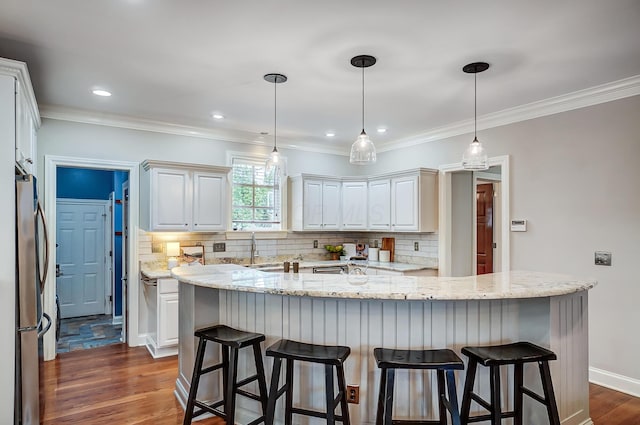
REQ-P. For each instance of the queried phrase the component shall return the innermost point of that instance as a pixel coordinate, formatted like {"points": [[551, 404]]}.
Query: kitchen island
{"points": [[394, 312]]}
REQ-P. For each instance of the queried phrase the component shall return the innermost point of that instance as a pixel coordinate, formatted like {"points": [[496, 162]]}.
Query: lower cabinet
{"points": [[162, 305]]}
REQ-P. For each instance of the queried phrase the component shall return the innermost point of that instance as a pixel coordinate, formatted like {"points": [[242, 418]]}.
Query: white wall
{"points": [[575, 176]]}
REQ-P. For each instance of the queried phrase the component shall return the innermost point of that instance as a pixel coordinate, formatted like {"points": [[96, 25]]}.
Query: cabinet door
{"points": [[380, 205], [170, 199], [312, 208], [167, 319], [404, 204], [209, 202], [331, 205], [354, 205]]}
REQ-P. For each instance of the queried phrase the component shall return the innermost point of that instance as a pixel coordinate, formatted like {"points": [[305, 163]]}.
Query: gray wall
{"points": [[462, 196], [575, 176]]}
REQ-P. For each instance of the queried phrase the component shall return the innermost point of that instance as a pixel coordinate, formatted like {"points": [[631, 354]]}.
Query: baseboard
{"points": [[614, 381], [158, 352], [117, 320]]}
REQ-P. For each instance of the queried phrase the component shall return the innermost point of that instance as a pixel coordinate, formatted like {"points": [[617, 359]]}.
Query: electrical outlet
{"points": [[315, 243], [353, 394], [602, 258], [416, 246], [219, 247]]}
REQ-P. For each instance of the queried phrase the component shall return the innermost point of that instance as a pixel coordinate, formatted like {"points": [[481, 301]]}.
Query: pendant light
{"points": [[363, 151], [475, 157], [275, 160]]}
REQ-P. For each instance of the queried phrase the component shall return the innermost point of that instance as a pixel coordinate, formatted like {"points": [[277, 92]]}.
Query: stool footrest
{"points": [[248, 395], [211, 408], [211, 368], [245, 381], [415, 422], [257, 421], [534, 396], [482, 402], [314, 413]]}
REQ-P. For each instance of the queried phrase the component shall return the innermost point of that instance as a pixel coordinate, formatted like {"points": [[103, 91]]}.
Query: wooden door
{"points": [[484, 223]]}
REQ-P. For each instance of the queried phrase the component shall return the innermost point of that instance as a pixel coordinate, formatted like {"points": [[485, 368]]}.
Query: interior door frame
{"points": [[444, 215], [51, 163], [106, 259]]}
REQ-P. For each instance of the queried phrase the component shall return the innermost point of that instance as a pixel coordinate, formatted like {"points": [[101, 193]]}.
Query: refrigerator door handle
{"points": [[46, 328], [40, 212]]}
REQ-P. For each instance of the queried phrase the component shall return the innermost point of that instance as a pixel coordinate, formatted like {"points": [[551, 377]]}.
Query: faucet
{"points": [[253, 248]]}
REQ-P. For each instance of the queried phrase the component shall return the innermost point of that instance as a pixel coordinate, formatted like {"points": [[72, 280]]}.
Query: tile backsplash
{"points": [[298, 245]]}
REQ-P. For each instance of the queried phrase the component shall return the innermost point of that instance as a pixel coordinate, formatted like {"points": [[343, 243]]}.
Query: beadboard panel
{"points": [[558, 323]]}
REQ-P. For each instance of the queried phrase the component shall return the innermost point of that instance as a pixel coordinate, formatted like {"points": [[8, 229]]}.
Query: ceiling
{"points": [[178, 62]]}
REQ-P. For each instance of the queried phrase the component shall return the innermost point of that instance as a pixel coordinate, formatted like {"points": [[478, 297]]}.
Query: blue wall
{"points": [[81, 183]]}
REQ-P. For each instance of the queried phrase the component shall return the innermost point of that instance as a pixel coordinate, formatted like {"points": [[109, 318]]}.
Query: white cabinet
{"points": [[162, 308], [379, 212], [398, 202], [19, 107], [167, 314], [354, 205], [183, 197], [316, 204]]}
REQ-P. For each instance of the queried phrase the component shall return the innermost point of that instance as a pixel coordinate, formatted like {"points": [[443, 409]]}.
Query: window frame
{"points": [[275, 232]]}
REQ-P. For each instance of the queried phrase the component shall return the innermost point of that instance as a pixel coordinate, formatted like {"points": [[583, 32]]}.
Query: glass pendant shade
{"points": [[274, 160], [474, 157], [363, 150]]}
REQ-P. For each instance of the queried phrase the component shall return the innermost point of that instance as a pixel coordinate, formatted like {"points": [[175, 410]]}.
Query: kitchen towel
{"points": [[389, 244], [385, 256]]}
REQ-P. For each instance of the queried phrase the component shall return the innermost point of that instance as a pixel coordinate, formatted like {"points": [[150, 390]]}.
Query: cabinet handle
{"points": [[185, 224], [195, 224], [29, 160]]}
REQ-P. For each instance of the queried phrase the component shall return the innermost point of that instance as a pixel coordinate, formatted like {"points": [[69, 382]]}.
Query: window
{"points": [[256, 195]]}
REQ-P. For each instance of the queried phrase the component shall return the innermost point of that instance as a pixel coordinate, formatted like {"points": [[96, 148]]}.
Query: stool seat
{"points": [[229, 337], [294, 350], [518, 352], [387, 358], [331, 356], [443, 361], [230, 341]]}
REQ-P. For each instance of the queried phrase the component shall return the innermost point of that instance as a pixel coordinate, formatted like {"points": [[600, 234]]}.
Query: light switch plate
{"points": [[518, 225], [219, 247]]}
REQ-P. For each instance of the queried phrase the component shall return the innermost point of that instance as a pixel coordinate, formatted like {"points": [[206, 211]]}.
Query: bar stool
{"points": [[509, 354], [330, 356], [231, 341], [442, 361]]}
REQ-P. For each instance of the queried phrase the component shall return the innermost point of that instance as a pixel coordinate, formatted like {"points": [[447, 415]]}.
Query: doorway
{"points": [[463, 223], [119, 299], [89, 259]]}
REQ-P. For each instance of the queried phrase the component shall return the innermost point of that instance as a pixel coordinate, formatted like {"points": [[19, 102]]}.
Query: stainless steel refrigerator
{"points": [[31, 322]]}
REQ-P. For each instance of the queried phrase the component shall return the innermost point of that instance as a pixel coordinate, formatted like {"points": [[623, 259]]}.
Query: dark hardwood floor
{"points": [[117, 385]]}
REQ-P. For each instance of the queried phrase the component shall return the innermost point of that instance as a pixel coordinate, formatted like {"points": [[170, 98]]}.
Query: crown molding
{"points": [[19, 71], [579, 99], [82, 116], [603, 93]]}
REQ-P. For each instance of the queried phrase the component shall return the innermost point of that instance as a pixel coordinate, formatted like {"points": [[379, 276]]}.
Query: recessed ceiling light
{"points": [[102, 93], [217, 116], [331, 134], [382, 130]]}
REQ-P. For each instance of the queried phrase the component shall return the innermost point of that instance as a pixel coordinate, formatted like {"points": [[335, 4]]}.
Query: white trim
{"points": [[159, 352], [444, 212], [105, 204], [615, 381], [116, 320], [602, 93], [50, 183], [20, 72]]}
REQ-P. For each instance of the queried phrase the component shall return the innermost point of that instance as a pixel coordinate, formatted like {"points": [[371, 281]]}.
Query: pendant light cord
{"points": [[363, 95], [275, 113], [475, 106]]}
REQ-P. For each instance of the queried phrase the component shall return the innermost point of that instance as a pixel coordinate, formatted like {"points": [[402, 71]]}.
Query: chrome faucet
{"points": [[253, 248]]}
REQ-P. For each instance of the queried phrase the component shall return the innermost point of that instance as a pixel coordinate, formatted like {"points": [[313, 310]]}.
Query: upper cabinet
{"points": [[18, 105], [316, 203], [183, 197], [399, 202]]}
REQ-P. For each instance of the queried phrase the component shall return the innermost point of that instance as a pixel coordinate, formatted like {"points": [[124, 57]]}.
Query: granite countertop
{"points": [[158, 270], [515, 284]]}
